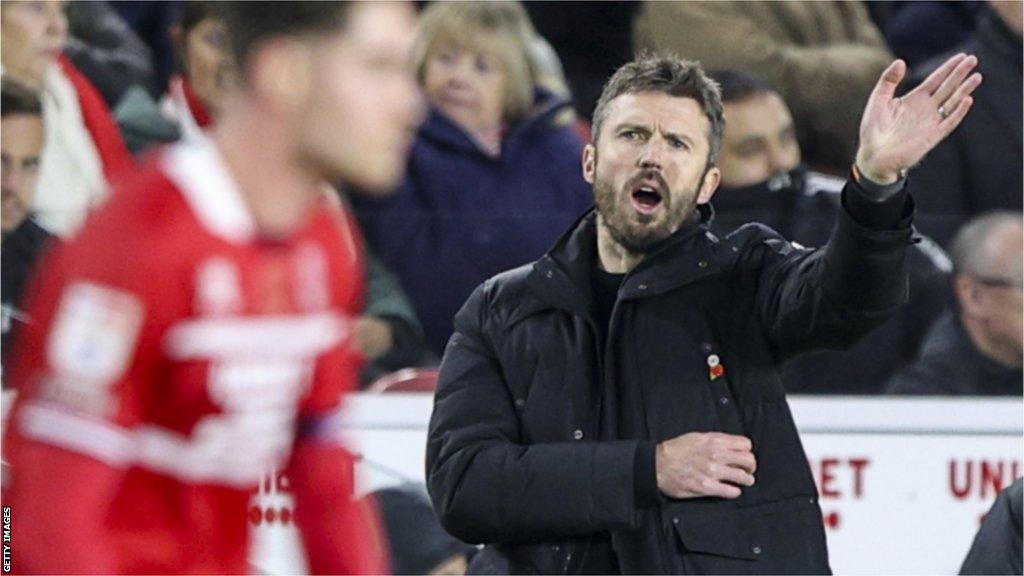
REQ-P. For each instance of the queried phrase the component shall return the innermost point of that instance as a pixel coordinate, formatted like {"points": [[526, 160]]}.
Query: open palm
{"points": [[896, 133]]}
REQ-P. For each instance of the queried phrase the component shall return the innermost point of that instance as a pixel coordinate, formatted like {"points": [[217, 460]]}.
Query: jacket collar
{"points": [[442, 130], [562, 277]]}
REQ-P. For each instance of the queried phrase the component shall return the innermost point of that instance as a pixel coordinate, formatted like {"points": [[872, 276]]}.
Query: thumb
{"points": [[890, 79]]}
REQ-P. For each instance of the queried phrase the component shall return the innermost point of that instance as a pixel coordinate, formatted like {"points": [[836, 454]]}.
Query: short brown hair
{"points": [[668, 75], [251, 23], [16, 98]]}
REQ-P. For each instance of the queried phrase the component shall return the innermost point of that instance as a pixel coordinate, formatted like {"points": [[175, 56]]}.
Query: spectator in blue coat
{"points": [[494, 176]]}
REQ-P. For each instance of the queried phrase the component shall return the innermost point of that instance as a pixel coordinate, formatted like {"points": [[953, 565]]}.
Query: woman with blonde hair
{"points": [[494, 174]]}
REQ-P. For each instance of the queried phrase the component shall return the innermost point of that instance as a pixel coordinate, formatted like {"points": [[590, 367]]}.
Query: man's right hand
{"points": [[705, 464]]}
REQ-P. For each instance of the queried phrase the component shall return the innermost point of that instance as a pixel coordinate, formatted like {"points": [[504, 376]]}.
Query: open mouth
{"points": [[646, 198]]}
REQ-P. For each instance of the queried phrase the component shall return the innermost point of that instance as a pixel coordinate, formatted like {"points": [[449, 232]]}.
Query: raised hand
{"points": [[896, 133], [705, 464]]}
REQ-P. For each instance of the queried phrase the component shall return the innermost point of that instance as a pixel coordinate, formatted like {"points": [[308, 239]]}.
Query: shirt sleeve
{"points": [[84, 364]]}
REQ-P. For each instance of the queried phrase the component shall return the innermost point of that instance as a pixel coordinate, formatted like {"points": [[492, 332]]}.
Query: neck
{"points": [[489, 139], [993, 347], [259, 150], [613, 257]]}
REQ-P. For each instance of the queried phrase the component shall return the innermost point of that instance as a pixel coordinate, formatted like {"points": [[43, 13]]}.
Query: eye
{"points": [[630, 134], [679, 143], [445, 56], [483, 65]]}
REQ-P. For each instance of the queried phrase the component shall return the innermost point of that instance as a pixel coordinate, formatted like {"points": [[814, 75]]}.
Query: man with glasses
{"points": [[976, 350]]}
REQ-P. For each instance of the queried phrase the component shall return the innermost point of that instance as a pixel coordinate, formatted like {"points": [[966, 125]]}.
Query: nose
{"points": [[651, 155]]}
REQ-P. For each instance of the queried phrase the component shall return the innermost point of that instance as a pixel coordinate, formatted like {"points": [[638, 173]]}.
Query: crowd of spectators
{"points": [[494, 175]]}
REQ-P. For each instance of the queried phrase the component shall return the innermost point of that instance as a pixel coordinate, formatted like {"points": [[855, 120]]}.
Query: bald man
{"points": [[977, 350]]}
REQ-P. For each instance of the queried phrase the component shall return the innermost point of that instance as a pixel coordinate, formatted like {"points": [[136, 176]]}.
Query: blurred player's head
{"points": [[657, 129], [473, 60], [204, 53], [987, 259], [760, 142], [337, 75], [21, 144], [32, 36]]}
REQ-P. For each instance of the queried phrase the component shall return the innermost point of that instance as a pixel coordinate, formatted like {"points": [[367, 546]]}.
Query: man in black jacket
{"points": [[616, 405]]}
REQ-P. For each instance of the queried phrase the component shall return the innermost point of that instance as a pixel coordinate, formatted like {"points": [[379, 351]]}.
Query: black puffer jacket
{"points": [[516, 457]]}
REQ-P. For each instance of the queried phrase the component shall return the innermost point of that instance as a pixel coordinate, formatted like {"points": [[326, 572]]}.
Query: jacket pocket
{"points": [[723, 536]]}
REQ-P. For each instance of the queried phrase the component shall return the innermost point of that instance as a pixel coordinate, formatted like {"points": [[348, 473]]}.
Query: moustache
{"points": [[649, 176]]}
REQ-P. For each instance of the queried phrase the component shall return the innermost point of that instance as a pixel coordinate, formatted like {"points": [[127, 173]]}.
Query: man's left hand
{"points": [[896, 133]]}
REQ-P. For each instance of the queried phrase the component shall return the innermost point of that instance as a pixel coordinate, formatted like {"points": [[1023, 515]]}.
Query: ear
{"points": [[589, 163], [709, 186], [281, 73], [968, 295]]}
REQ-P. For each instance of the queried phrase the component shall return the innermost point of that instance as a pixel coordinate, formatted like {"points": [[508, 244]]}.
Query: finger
{"points": [[956, 116], [732, 442], [889, 80], [955, 79], [966, 89], [732, 475], [712, 487], [741, 460], [932, 82]]}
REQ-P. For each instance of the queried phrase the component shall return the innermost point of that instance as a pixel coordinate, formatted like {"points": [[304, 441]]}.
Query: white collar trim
{"points": [[198, 170]]}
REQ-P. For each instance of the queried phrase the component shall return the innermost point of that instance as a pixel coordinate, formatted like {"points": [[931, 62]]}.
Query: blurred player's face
{"points": [[208, 63], [32, 35], [759, 141], [360, 115], [649, 169], [468, 87], [21, 143]]}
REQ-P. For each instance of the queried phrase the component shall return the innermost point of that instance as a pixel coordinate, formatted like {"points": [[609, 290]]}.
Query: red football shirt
{"points": [[176, 346]]}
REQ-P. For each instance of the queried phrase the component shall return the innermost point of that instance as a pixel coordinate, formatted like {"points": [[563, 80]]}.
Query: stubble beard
{"points": [[634, 231]]}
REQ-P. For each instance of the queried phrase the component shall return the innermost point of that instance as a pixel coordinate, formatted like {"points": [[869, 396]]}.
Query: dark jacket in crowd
{"points": [[19, 254], [386, 301], [997, 546], [462, 216], [152, 21], [416, 541], [951, 365], [921, 30], [542, 439], [107, 51], [802, 207], [978, 167], [592, 39]]}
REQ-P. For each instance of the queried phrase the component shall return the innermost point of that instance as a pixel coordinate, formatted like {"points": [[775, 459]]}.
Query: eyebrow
{"points": [[642, 128]]}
